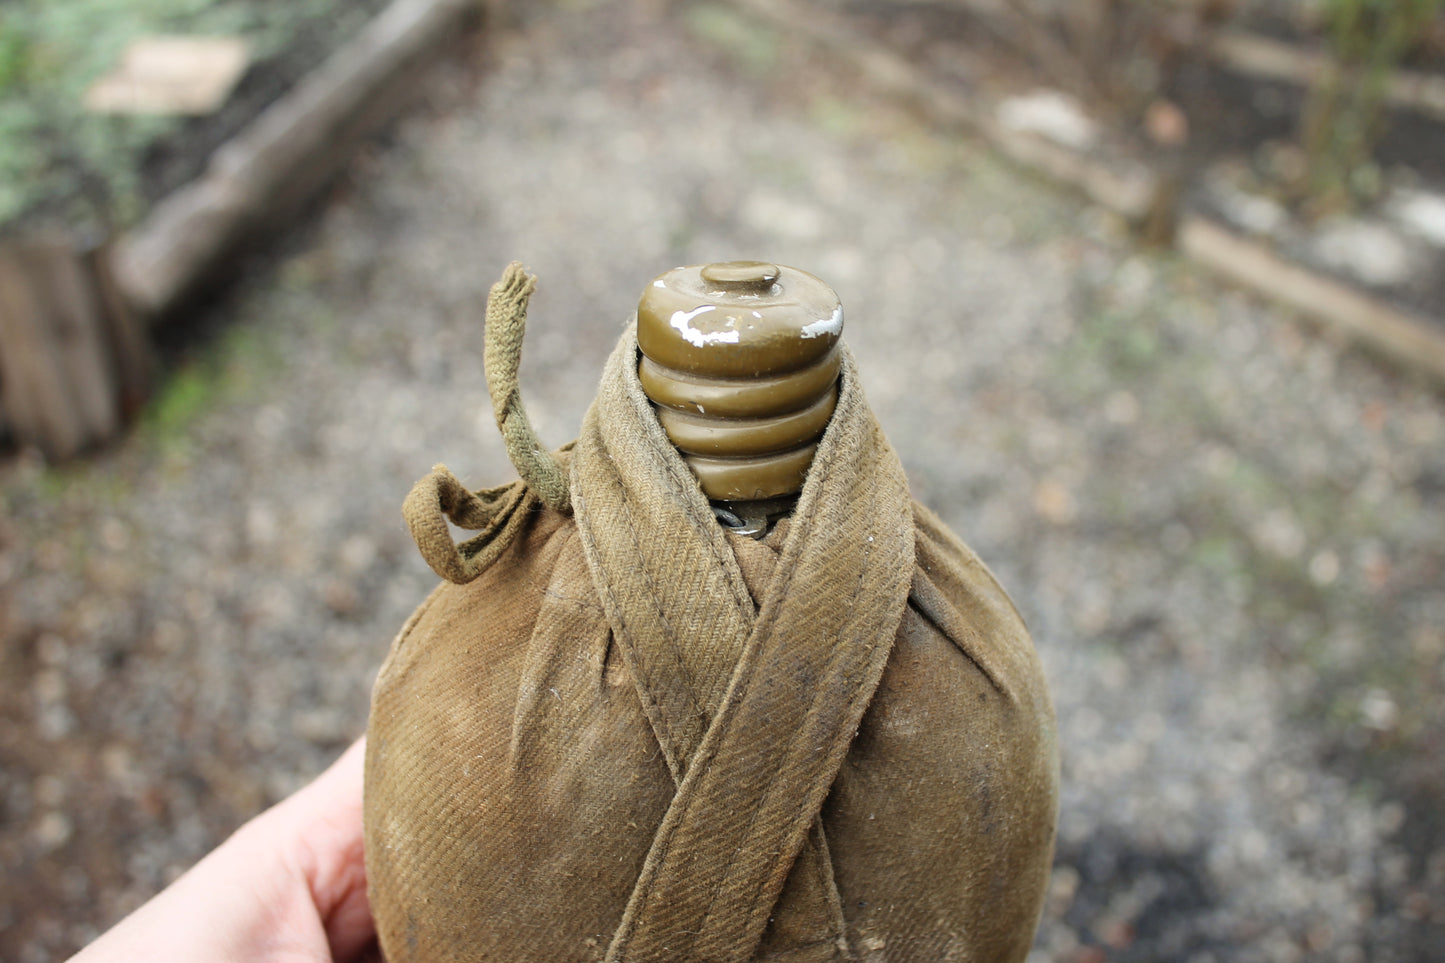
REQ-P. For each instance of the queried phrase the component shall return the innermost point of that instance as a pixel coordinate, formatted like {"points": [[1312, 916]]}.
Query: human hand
{"points": [[289, 886]]}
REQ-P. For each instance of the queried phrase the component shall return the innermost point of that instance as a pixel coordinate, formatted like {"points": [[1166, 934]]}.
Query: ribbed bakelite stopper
{"points": [[741, 360]]}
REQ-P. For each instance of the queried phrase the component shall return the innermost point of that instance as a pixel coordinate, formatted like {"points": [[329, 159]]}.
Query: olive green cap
{"points": [[741, 359], [738, 319]]}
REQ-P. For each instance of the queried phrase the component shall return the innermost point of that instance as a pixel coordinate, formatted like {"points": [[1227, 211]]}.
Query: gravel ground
{"points": [[1226, 534]]}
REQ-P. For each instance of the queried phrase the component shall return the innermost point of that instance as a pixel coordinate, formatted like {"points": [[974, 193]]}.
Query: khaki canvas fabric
{"points": [[618, 732]]}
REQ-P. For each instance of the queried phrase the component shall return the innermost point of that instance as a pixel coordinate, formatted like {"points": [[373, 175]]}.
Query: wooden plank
{"points": [[1275, 60], [1411, 341], [76, 330], [128, 343], [37, 408], [74, 363], [60, 382], [279, 162], [171, 75]]}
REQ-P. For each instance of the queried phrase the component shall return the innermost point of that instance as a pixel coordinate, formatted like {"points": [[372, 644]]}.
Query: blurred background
{"points": [[1148, 294]]}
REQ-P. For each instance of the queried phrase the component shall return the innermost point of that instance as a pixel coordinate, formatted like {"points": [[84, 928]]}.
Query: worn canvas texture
{"points": [[618, 732]]}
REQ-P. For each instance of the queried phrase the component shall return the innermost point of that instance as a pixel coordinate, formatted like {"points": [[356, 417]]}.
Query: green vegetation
{"points": [[185, 394], [1346, 113], [60, 165], [235, 366]]}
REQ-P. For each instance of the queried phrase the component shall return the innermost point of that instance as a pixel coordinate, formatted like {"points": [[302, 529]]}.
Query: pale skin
{"points": [[288, 887]]}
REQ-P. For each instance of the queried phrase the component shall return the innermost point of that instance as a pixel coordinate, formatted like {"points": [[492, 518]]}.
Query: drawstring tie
{"points": [[506, 326], [494, 512]]}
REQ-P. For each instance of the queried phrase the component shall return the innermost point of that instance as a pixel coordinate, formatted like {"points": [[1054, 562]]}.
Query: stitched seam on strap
{"points": [[835, 656], [746, 683], [669, 633], [664, 841]]}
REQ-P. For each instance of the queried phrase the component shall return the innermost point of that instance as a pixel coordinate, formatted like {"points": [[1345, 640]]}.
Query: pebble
{"points": [[1370, 252], [52, 831], [1052, 114], [1420, 211]]}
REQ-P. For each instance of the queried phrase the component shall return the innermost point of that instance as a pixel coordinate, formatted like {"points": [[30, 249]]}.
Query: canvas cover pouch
{"points": [[619, 732]]}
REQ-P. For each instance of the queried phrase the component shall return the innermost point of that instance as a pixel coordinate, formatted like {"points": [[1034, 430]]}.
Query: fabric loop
{"points": [[439, 498], [505, 328]]}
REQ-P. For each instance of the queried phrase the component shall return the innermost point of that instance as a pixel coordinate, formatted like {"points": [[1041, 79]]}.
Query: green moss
{"points": [[183, 396], [235, 368]]}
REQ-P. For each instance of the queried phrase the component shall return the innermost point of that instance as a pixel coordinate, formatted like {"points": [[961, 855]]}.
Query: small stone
{"points": [[52, 831], [49, 687], [1052, 114], [1054, 503], [1166, 124], [356, 554], [55, 722], [1118, 934], [1379, 711], [120, 770], [1418, 906], [1365, 250], [1063, 887], [341, 597], [262, 526], [1324, 567], [1255, 213], [1280, 534], [169, 636], [271, 423], [1422, 212], [1376, 567], [114, 535]]}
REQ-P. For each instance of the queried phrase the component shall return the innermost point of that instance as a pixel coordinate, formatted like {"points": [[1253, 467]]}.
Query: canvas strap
{"points": [[496, 514], [754, 709]]}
